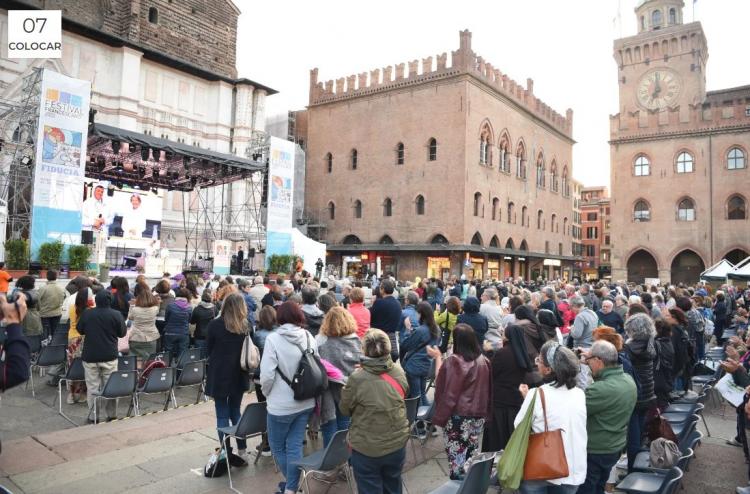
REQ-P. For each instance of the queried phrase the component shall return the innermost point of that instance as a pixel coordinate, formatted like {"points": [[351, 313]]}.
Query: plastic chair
{"points": [[683, 429], [121, 384], [127, 363], [48, 355], [412, 406], [165, 356], [189, 356], [642, 461], [332, 459], [651, 482], [477, 480], [425, 414], [75, 373], [158, 381], [191, 375], [253, 423], [35, 343]]}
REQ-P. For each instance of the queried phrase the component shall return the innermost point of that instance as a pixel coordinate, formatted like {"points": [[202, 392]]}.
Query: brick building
{"points": [[595, 225], [163, 69], [679, 154], [439, 167]]}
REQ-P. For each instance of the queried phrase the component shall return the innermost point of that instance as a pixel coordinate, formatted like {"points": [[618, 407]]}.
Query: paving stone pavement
{"points": [[165, 452]]}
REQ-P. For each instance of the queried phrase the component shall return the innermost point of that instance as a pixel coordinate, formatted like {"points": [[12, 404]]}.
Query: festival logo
{"points": [[281, 190], [62, 103], [61, 147]]}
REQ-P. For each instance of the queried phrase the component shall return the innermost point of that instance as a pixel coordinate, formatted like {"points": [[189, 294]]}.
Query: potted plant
{"points": [[104, 272], [78, 258], [50, 254], [279, 263], [17, 257]]}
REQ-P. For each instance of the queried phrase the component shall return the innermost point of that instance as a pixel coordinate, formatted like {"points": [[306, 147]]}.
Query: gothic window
{"points": [[565, 226], [642, 166], [432, 149], [524, 216], [686, 210], [641, 211], [735, 159], [685, 163], [565, 184], [354, 159], [552, 223], [420, 204], [539, 216], [521, 162], [495, 210], [357, 208], [511, 212], [553, 177], [439, 239], [540, 170], [477, 203], [329, 162], [736, 208], [485, 146], [505, 154], [388, 207], [400, 153]]}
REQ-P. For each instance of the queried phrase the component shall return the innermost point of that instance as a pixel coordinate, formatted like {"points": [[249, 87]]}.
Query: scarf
{"points": [[517, 340]]}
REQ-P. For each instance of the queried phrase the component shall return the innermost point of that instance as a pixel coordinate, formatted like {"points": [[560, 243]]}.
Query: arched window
{"points": [[353, 161], [505, 154], [351, 240], [565, 184], [552, 225], [400, 153], [509, 244], [331, 211], [477, 203], [736, 208], [388, 207], [672, 17], [686, 210], [524, 246], [420, 204], [524, 216], [495, 208], [641, 167], [476, 239], [511, 213], [656, 19], [521, 161], [565, 225], [386, 240], [540, 171], [641, 211], [439, 239], [684, 162], [153, 15], [553, 177], [494, 242], [357, 208], [485, 146], [735, 159], [329, 162], [539, 219], [432, 149]]}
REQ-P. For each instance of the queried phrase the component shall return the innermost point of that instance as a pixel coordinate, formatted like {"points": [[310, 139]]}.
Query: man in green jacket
{"points": [[610, 401]]}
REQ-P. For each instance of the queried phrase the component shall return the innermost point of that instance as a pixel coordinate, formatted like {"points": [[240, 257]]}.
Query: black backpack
{"points": [[311, 378]]}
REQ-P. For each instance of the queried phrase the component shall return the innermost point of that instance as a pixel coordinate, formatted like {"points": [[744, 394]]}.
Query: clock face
{"points": [[658, 89]]}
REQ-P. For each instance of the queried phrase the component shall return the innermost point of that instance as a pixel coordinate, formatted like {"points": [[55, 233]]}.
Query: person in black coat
{"points": [[201, 317], [15, 368], [385, 314], [473, 318], [226, 382]]}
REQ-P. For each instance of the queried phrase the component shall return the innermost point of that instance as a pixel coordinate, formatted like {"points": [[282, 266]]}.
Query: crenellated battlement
{"points": [[725, 109], [462, 61]]}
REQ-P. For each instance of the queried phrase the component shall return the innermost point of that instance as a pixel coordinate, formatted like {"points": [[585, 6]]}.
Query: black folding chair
{"points": [[477, 480], [121, 384], [412, 406], [189, 356], [191, 375], [158, 381], [127, 363], [165, 356], [35, 343], [253, 423], [48, 355], [331, 460], [75, 373]]}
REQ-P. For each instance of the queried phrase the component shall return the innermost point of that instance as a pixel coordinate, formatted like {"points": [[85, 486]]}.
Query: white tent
{"points": [[741, 271], [718, 272], [308, 249]]}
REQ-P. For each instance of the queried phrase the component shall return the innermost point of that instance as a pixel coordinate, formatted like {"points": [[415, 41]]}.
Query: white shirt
{"points": [[566, 410], [133, 223], [90, 212]]}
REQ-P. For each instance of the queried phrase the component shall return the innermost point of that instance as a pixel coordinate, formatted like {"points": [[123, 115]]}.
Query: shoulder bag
{"points": [[545, 457], [510, 466]]}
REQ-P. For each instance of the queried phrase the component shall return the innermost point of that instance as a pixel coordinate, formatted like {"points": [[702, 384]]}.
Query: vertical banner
{"points": [[60, 161], [222, 256], [280, 211]]}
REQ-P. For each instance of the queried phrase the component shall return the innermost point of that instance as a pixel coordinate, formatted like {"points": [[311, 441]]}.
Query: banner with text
{"points": [[280, 213], [60, 161], [222, 256]]}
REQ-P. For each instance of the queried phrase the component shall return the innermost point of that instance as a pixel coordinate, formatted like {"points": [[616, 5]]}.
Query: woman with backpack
{"points": [[414, 358], [226, 382], [287, 417], [447, 320]]}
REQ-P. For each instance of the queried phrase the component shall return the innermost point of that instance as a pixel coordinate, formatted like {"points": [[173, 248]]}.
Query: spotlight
{"points": [[26, 160], [110, 190], [119, 185], [132, 147], [155, 191]]}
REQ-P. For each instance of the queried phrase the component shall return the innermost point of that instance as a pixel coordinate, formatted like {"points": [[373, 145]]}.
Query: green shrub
{"points": [[17, 254], [50, 254], [78, 257], [279, 263]]}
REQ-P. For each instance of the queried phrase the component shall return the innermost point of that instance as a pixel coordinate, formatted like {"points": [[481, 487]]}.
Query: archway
{"points": [[641, 265], [351, 240], [736, 256], [687, 267]]}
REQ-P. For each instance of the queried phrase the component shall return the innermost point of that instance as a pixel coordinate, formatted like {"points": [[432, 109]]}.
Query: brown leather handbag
{"points": [[545, 456]]}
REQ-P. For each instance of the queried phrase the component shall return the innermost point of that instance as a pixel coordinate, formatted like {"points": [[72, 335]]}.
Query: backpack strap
{"points": [[278, 369], [394, 384]]}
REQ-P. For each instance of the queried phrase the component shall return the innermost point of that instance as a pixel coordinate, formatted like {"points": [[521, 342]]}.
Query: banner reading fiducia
{"points": [[280, 198], [60, 162]]}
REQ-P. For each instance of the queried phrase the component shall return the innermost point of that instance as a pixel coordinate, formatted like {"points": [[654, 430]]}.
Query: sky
{"points": [[564, 45]]}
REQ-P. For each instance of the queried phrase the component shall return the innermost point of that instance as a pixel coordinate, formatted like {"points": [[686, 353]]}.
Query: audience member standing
{"points": [[385, 314], [473, 318], [177, 324], [415, 360], [358, 310], [144, 335], [51, 298]]}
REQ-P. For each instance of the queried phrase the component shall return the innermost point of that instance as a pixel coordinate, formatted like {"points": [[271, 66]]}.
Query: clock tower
{"points": [[663, 66]]}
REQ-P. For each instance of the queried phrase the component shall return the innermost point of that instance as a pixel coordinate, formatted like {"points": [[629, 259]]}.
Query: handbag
{"points": [[445, 334], [511, 463], [659, 427], [545, 456], [250, 356], [664, 454]]}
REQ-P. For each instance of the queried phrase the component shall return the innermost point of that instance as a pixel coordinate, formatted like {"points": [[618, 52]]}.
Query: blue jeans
{"points": [[418, 387], [203, 345], [598, 468], [542, 487], [285, 435], [635, 435], [330, 428], [700, 346], [378, 474], [228, 410], [175, 344]]}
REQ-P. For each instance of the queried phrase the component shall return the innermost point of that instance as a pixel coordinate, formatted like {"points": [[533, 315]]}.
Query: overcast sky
{"points": [[564, 45]]}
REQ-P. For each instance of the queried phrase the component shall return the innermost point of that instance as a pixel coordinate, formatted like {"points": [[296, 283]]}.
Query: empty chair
{"points": [[412, 405], [75, 374], [332, 459], [683, 429], [121, 384], [48, 355], [192, 374], [252, 424], [690, 408], [35, 343], [651, 482], [477, 480], [158, 381], [425, 414], [127, 363], [189, 356]]}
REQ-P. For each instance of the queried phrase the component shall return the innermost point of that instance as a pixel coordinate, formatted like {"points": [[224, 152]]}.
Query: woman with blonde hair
{"points": [[339, 344], [226, 381]]}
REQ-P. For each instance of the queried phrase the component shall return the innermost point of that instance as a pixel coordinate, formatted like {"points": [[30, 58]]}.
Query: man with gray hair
{"points": [[494, 314], [548, 302], [609, 317], [621, 306], [610, 401], [589, 298], [584, 323]]}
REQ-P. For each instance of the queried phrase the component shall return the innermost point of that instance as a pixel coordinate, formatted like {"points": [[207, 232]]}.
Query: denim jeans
{"points": [[418, 387], [329, 429], [700, 346], [635, 435], [175, 344], [228, 410], [378, 474], [542, 487], [285, 435], [203, 345], [598, 468], [49, 325]]}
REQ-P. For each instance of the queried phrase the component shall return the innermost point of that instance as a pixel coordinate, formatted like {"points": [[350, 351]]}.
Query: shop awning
{"points": [[446, 248]]}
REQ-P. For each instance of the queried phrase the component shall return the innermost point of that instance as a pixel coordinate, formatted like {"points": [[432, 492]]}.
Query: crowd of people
{"points": [[602, 358]]}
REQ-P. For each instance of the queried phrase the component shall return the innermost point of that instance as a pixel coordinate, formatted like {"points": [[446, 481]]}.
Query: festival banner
{"points": [[60, 161], [280, 210], [222, 252]]}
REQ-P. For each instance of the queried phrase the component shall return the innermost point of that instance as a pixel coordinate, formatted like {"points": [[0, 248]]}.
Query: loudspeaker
{"points": [[251, 253], [87, 237]]}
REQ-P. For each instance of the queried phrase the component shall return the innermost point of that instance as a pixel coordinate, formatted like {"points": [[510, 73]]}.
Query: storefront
{"points": [[351, 267], [476, 268], [508, 267], [439, 267], [553, 268], [493, 270]]}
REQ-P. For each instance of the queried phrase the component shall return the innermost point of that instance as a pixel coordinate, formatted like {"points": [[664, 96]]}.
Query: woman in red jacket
{"points": [[463, 397]]}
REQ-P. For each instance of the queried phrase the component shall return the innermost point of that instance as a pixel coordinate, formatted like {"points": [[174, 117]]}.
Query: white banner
{"points": [[60, 161], [222, 256], [280, 185]]}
